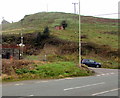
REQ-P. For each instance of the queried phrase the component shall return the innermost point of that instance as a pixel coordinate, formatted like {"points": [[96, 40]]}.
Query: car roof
{"points": [[87, 59]]}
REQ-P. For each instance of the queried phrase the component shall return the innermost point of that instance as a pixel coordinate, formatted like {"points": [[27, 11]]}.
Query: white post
{"points": [[21, 45]]}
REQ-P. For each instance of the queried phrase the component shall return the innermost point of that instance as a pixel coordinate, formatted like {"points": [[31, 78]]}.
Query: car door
{"points": [[87, 62], [92, 63]]}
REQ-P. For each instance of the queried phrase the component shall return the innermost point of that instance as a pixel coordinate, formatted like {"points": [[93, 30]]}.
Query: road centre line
{"points": [[105, 92], [84, 86]]}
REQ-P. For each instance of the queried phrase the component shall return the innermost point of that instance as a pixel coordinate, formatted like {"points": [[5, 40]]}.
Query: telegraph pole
{"points": [[75, 7], [79, 37]]}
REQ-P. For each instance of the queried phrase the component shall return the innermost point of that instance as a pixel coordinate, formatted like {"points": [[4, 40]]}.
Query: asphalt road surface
{"points": [[104, 83]]}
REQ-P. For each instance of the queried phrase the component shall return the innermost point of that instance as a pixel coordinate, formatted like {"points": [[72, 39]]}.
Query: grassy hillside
{"points": [[101, 31], [99, 35], [37, 22], [100, 40], [98, 30]]}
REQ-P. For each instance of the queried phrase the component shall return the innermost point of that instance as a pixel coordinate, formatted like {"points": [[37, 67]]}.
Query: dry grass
{"points": [[9, 66]]}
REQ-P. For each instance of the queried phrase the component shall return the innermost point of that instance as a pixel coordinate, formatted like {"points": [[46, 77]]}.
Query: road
{"points": [[104, 83]]}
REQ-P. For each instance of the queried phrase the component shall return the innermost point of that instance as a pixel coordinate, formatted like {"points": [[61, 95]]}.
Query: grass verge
{"points": [[49, 71]]}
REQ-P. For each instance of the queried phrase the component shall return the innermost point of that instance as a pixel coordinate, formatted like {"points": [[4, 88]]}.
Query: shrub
{"points": [[64, 24], [38, 39], [46, 32], [22, 71]]}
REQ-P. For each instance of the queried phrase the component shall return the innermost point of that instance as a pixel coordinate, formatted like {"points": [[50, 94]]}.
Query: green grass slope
{"points": [[37, 22], [100, 30]]}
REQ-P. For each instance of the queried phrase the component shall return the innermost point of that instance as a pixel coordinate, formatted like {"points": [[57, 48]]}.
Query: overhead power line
{"points": [[107, 14]]}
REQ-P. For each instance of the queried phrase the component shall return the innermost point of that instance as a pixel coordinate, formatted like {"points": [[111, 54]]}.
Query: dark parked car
{"points": [[91, 63]]}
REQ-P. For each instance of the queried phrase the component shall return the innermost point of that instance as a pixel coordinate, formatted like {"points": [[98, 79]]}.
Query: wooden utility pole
{"points": [[79, 37]]}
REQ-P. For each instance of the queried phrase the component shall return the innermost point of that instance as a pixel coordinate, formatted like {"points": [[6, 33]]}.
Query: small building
{"points": [[10, 51], [59, 27]]}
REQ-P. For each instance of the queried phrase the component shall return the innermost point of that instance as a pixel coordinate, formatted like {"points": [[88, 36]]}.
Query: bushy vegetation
{"points": [[64, 24], [42, 36], [9, 66]]}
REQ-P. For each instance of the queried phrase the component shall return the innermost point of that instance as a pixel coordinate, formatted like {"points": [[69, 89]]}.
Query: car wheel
{"points": [[97, 66]]}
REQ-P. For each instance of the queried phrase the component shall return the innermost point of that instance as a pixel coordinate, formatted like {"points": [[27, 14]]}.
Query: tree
{"points": [[64, 24], [41, 36], [38, 38], [46, 32]]}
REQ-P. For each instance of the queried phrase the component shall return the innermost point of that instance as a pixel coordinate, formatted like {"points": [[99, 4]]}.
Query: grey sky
{"points": [[14, 10]]}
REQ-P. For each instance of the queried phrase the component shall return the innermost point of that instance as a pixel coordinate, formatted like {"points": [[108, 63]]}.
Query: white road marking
{"points": [[105, 92], [112, 73], [38, 82], [98, 75], [102, 74], [19, 84], [59, 80], [64, 79], [31, 95], [105, 74], [69, 78], [84, 86], [44, 81]]}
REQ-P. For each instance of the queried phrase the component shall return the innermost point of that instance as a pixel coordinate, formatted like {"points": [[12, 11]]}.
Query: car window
{"points": [[91, 61], [83, 60], [87, 61]]}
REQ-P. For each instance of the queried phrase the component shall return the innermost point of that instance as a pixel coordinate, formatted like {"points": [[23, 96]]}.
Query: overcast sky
{"points": [[14, 10]]}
